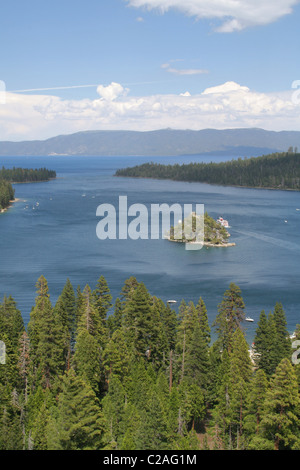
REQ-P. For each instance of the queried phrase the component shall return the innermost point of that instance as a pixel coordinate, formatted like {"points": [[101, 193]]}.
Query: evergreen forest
{"points": [[26, 175], [19, 175], [7, 194], [275, 171], [90, 374]]}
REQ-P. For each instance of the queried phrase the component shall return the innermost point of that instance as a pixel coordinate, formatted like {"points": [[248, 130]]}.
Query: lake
{"points": [[52, 231]]}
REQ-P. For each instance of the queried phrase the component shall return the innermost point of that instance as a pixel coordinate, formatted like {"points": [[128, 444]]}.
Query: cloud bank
{"points": [[233, 15], [228, 105]]}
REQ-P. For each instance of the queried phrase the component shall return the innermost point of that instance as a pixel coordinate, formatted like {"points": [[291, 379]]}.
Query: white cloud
{"points": [[177, 71], [234, 15], [225, 88], [229, 105], [112, 91]]}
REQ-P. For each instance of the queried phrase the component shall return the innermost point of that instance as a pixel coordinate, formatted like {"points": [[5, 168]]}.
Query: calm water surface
{"points": [[57, 238]]}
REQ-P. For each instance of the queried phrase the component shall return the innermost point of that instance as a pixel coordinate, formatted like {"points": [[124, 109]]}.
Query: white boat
{"points": [[223, 222], [171, 301], [249, 319]]}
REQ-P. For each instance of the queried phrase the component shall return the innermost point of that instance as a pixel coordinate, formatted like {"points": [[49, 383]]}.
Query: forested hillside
{"points": [[277, 171], [25, 175], [144, 377], [7, 194]]}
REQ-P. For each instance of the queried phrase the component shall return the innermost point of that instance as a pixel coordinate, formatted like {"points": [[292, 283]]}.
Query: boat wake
{"points": [[274, 241]]}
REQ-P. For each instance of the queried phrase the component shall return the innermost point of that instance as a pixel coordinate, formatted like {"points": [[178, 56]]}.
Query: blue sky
{"points": [[145, 54]]}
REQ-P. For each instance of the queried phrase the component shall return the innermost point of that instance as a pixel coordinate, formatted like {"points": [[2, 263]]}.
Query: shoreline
{"points": [[2, 211], [207, 244], [30, 182], [211, 184]]}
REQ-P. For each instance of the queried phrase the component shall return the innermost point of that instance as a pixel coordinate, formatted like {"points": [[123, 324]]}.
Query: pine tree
{"points": [[102, 303], [280, 421], [252, 421], [65, 306], [153, 431], [282, 340], [114, 321], [79, 307], [64, 311], [197, 361], [189, 441], [169, 324], [24, 363], [46, 337], [262, 343], [138, 323], [38, 407], [87, 314], [11, 321], [39, 432], [116, 357], [230, 316], [114, 410], [272, 342], [87, 360], [79, 424], [10, 430], [240, 375], [233, 389], [187, 317], [128, 289], [129, 427], [203, 319], [158, 352]]}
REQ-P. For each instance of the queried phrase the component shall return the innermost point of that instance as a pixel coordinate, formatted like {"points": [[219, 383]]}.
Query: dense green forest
{"points": [[190, 230], [19, 175], [25, 175], [138, 376], [7, 194], [277, 171]]}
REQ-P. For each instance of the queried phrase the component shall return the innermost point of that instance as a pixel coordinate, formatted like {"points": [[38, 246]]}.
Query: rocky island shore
{"points": [[205, 231]]}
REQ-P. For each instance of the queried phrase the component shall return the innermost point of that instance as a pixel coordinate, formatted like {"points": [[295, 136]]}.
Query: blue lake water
{"points": [[57, 238]]}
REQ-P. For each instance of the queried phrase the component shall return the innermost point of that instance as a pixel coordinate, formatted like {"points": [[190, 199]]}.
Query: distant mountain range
{"points": [[165, 142]]}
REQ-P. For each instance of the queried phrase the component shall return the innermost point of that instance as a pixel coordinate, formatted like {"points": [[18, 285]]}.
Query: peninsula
{"points": [[274, 171], [19, 175]]}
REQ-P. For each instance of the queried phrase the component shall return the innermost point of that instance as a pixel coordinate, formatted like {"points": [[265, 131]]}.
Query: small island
{"points": [[189, 230]]}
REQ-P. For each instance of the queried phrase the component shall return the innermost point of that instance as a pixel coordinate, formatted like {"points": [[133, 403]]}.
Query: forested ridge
{"points": [[25, 175], [276, 171], [7, 194], [19, 175], [138, 376]]}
